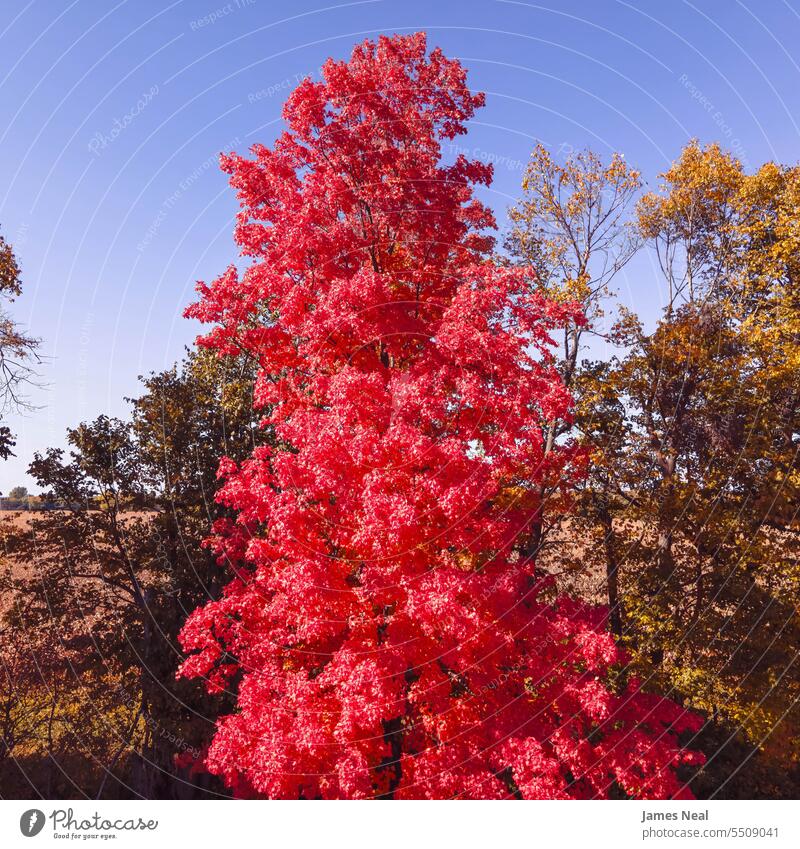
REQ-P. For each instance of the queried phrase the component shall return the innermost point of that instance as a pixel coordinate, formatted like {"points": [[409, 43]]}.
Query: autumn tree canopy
{"points": [[383, 629], [689, 507], [95, 591], [712, 444]]}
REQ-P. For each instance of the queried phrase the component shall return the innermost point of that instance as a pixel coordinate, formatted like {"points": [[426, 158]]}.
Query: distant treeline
{"points": [[31, 502]]}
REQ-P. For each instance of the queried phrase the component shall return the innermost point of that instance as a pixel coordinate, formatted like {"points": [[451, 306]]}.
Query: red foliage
{"points": [[385, 634]]}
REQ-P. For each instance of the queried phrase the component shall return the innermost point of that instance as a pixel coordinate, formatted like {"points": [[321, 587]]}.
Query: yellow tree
{"points": [[687, 521], [711, 442], [573, 225]]}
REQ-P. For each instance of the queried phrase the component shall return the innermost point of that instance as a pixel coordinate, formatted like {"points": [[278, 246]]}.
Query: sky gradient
{"points": [[114, 115]]}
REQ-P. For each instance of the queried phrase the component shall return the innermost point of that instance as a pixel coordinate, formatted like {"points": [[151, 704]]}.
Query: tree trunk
{"points": [[612, 571]]}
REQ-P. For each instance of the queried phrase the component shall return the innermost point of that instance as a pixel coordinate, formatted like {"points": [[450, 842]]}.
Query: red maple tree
{"points": [[384, 628]]}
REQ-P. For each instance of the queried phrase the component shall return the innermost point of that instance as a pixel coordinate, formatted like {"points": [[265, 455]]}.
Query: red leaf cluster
{"points": [[383, 631]]}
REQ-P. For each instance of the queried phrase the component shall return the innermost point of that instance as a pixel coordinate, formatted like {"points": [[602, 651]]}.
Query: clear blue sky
{"points": [[113, 115]]}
